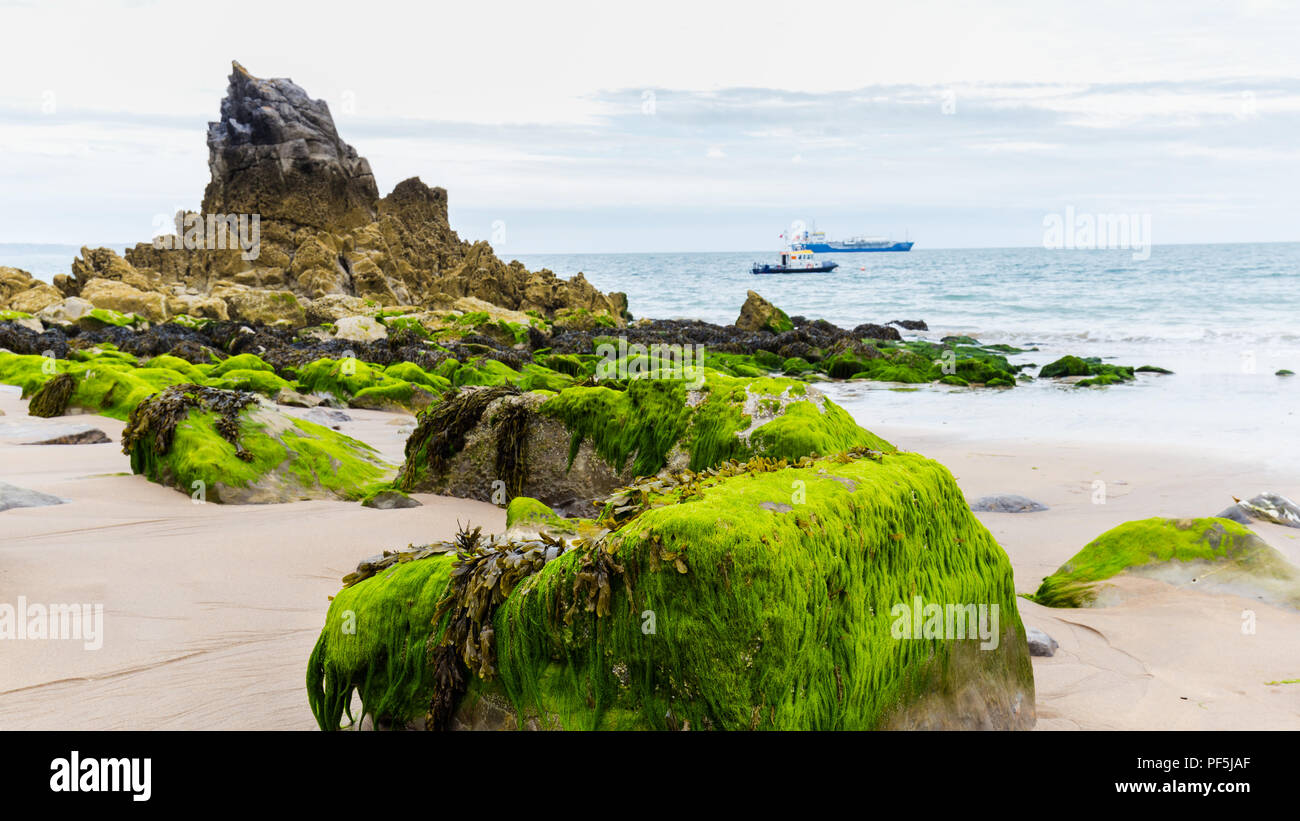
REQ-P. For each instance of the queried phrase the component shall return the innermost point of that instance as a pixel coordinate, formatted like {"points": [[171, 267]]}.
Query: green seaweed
{"points": [[708, 609], [1144, 542]]}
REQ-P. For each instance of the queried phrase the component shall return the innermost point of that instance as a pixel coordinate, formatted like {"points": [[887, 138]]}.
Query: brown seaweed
{"points": [[53, 397]]}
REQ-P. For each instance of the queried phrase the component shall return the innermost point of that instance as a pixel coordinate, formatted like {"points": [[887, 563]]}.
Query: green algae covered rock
{"points": [[1099, 372], [1214, 554], [235, 448], [524, 510], [105, 384], [570, 447], [401, 386], [758, 596], [757, 314]]}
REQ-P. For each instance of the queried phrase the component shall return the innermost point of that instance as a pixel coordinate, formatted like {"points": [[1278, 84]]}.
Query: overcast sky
{"points": [[591, 126]]}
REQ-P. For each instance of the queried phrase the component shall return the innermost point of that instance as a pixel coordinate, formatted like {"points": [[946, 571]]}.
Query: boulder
{"points": [[235, 447], [757, 314], [1040, 644], [35, 299], [291, 397], [118, 296], [389, 500], [1008, 503], [331, 308], [1212, 555], [359, 329], [617, 626], [573, 446], [198, 305], [14, 281], [257, 305], [66, 312]]}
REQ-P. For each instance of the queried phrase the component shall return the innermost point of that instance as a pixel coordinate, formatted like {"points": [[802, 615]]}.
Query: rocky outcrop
{"points": [[20, 291], [276, 152], [323, 230], [293, 209]]}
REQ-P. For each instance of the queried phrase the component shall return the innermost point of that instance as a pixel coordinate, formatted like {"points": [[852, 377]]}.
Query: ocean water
{"points": [[1224, 318]]}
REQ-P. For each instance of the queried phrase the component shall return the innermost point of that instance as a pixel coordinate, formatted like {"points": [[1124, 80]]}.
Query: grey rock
{"points": [[88, 436], [326, 417], [390, 500], [1266, 507], [1009, 503], [12, 496], [1040, 644], [289, 396], [1236, 514], [776, 507]]}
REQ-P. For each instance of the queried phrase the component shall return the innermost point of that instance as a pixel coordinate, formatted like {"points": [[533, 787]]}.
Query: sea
{"points": [[1224, 317]]}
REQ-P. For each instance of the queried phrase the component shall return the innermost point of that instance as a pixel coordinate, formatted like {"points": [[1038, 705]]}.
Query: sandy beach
{"points": [[1165, 657], [211, 611]]}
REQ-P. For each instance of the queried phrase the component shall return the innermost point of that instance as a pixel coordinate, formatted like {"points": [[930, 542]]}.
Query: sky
{"points": [[683, 126]]}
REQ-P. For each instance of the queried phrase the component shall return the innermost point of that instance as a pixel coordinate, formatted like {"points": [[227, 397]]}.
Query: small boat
{"points": [[796, 261]]}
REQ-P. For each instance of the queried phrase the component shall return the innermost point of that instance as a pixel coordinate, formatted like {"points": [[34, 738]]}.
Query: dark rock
{"points": [[90, 436], [1040, 644], [1007, 504], [870, 331], [911, 324], [275, 152]]}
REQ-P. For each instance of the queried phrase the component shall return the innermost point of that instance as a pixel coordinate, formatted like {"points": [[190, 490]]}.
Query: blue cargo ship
{"points": [[816, 242]]}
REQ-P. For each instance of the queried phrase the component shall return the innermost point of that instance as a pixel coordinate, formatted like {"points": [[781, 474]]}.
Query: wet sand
{"points": [[1166, 657], [211, 611]]}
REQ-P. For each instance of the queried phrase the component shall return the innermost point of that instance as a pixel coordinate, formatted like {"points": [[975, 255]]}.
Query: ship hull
{"points": [[763, 270], [841, 248]]}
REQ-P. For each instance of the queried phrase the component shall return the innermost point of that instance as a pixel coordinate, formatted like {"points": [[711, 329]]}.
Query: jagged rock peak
{"points": [[276, 152]]}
